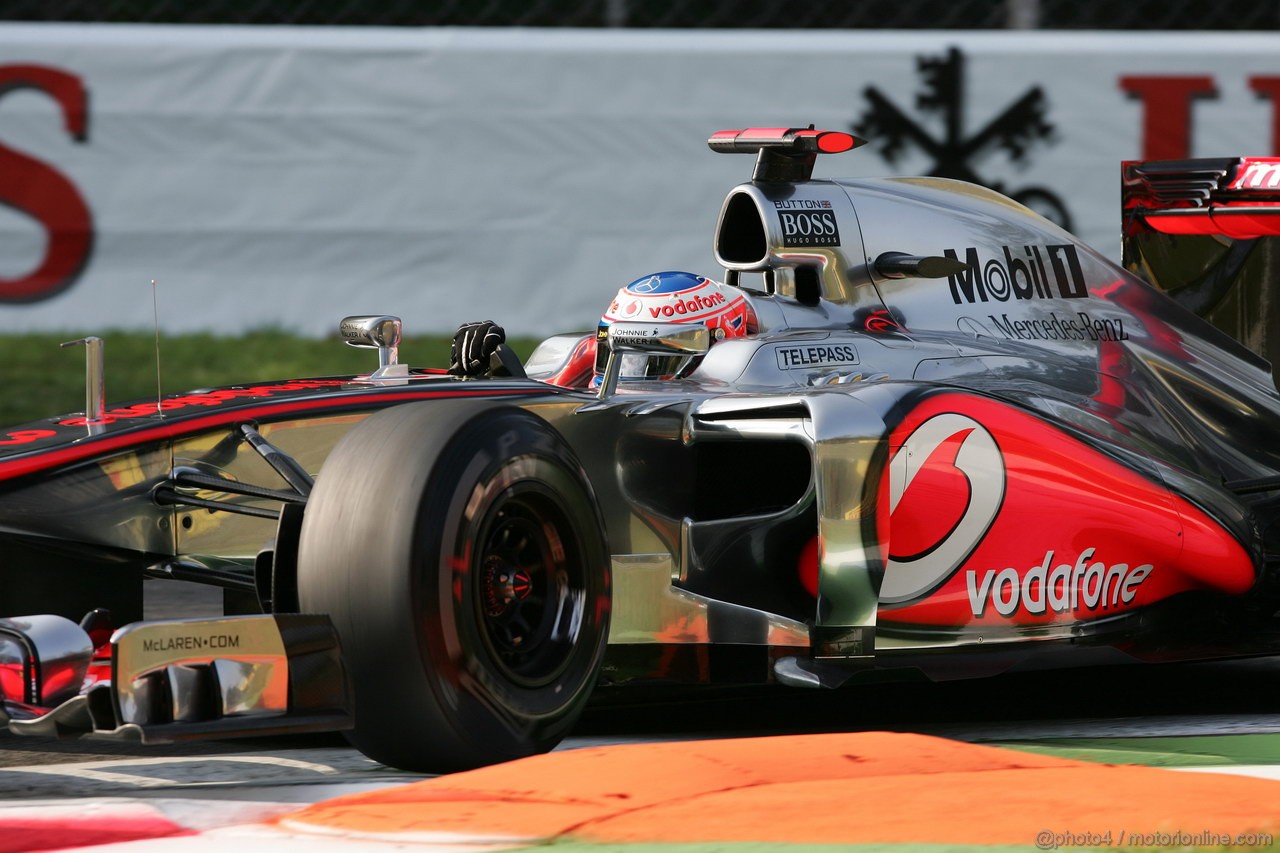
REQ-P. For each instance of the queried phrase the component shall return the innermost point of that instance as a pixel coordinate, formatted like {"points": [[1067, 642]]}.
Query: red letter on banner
{"points": [[1269, 87], [1166, 112], [45, 194]]}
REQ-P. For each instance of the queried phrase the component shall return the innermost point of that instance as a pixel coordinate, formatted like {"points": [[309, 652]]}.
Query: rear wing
{"points": [[1207, 232], [1237, 197]]}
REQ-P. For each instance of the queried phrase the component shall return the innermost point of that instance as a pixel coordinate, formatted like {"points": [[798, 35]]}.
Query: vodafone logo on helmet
{"points": [[946, 486], [694, 305]]}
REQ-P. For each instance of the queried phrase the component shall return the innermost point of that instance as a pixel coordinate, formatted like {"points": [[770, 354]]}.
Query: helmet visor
{"points": [[637, 365], [642, 366]]}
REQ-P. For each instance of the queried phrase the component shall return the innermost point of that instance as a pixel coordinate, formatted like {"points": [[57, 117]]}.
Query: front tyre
{"points": [[457, 546]]}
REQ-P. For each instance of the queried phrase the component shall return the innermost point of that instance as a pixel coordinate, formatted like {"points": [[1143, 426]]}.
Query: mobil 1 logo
{"points": [[807, 222]]}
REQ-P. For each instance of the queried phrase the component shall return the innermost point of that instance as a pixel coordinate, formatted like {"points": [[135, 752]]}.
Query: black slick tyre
{"points": [[458, 548]]}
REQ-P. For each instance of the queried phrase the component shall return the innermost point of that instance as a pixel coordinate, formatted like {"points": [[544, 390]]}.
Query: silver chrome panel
{"points": [[847, 440], [647, 609], [241, 658]]}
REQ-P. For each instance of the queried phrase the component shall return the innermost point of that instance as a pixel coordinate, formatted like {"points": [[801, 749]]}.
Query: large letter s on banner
{"points": [[45, 194]]}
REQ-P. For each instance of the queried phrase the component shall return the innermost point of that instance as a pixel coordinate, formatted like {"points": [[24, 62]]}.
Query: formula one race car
{"points": [[956, 440]]}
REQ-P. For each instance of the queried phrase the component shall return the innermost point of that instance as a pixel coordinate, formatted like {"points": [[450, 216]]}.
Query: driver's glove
{"points": [[473, 344]]}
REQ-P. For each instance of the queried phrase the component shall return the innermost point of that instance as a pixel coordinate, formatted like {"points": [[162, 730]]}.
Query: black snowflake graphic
{"points": [[1016, 130]]}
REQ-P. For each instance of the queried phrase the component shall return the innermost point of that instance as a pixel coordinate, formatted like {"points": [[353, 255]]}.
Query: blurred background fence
{"points": [[736, 14], [436, 154]]}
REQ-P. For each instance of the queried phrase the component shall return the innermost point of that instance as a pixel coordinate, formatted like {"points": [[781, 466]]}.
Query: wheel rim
{"points": [[530, 587]]}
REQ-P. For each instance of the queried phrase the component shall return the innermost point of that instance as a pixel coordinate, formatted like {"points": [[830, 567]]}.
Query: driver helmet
{"points": [[673, 297]]}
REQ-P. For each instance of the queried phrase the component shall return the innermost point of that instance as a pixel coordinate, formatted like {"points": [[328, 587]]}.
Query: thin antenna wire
{"points": [[155, 311]]}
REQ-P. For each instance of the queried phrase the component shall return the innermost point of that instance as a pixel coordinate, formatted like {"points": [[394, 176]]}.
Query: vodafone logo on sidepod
{"points": [[946, 486]]}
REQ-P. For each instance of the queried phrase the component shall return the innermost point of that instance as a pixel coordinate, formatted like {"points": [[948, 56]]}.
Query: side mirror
{"points": [[649, 339], [375, 331], [95, 394], [902, 265]]}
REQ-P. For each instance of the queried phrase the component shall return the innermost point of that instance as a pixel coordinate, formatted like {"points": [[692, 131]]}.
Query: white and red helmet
{"points": [[675, 297]]}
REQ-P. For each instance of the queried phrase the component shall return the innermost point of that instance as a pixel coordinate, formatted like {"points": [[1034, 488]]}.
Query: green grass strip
{"points": [[41, 379], [1199, 751]]}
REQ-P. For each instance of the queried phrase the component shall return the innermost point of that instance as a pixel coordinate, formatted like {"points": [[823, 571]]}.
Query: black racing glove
{"points": [[473, 344]]}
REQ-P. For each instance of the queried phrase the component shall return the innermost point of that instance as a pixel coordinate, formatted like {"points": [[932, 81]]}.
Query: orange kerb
{"points": [[840, 788]]}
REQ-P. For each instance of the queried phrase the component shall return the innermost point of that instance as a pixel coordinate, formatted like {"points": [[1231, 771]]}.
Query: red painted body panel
{"points": [[1010, 520]]}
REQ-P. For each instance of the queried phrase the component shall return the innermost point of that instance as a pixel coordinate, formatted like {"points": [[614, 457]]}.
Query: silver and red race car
{"points": [[956, 440]]}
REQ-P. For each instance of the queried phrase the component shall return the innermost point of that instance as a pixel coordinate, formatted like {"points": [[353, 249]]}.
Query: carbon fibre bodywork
{"points": [[960, 440]]}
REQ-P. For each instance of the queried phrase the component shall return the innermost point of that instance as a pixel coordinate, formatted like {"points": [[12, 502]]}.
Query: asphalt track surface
{"points": [[1125, 701], [1135, 701]]}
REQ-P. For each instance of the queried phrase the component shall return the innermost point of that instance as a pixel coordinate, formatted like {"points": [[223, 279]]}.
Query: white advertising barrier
{"points": [[288, 176]]}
